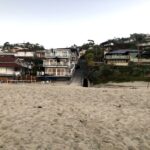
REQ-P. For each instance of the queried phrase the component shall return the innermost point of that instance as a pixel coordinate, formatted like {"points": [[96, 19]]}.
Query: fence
{"points": [[21, 81]]}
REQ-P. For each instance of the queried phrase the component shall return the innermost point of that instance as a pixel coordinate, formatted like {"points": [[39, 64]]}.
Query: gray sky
{"points": [[61, 23]]}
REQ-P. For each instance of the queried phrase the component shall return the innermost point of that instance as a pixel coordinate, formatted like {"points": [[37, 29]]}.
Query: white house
{"points": [[58, 63], [10, 66]]}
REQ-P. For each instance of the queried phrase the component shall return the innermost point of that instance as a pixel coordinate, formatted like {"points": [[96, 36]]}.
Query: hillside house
{"points": [[120, 57], [124, 57], [17, 48], [143, 58], [25, 54]]}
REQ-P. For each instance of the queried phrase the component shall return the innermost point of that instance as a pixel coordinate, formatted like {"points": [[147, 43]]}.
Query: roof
{"points": [[9, 61], [7, 58], [10, 65], [123, 51]]}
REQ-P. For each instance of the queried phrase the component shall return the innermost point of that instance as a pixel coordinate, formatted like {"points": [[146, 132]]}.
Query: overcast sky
{"points": [[62, 23]]}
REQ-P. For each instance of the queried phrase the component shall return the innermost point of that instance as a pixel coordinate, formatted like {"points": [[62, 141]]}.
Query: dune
{"points": [[58, 117]]}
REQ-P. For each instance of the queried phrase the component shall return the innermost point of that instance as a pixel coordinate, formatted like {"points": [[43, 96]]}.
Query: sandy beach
{"points": [[50, 117]]}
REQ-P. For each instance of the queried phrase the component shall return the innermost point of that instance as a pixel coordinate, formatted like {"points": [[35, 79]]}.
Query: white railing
{"points": [[143, 60], [56, 75], [55, 65], [117, 57], [49, 55]]}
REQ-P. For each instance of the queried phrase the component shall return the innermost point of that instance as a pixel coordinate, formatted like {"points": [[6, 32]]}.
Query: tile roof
{"points": [[7, 58], [10, 65], [9, 61]]}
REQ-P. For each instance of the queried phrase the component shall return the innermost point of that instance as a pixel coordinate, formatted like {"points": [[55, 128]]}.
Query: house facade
{"points": [[10, 67], [124, 57], [28, 57], [58, 63], [143, 58], [120, 57]]}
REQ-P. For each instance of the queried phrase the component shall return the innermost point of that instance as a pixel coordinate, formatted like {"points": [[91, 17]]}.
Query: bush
{"points": [[106, 73]]}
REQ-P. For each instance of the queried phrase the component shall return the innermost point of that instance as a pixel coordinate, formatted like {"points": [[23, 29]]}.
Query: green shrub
{"points": [[106, 73]]}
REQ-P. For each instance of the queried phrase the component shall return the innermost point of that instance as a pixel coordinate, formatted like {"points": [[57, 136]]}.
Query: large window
{"points": [[56, 71], [2, 70], [50, 71], [60, 71]]}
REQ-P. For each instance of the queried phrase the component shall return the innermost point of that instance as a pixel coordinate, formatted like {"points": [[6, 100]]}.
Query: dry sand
{"points": [[48, 117]]}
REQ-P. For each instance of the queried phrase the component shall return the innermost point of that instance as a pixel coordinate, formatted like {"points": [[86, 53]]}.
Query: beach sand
{"points": [[49, 117]]}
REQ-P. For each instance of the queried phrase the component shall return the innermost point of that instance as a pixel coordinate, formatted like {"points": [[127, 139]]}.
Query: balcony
{"points": [[56, 65], [53, 55], [117, 57], [141, 60], [56, 75]]}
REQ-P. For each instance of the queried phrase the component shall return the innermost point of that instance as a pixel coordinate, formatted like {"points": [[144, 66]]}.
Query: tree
{"points": [[6, 46], [138, 38]]}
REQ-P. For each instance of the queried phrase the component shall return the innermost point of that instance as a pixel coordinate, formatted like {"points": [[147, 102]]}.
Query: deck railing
{"points": [[55, 64], [116, 57], [21, 81]]}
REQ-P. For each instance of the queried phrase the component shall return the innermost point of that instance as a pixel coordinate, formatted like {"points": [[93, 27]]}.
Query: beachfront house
{"points": [[10, 67], [28, 56], [58, 63]]}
